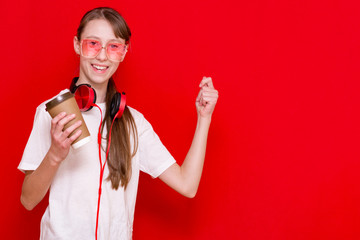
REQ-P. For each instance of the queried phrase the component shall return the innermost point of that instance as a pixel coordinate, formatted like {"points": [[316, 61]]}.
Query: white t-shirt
{"points": [[71, 213]]}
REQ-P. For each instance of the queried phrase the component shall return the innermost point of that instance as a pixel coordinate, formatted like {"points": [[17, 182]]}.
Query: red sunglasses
{"points": [[115, 51]]}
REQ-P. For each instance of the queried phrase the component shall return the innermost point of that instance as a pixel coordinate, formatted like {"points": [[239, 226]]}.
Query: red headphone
{"points": [[85, 97]]}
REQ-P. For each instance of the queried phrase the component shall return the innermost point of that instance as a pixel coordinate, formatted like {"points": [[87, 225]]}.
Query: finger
{"points": [[64, 121], [67, 142], [210, 93], [71, 129], [209, 90], [59, 128], [200, 98], [74, 136], [203, 101], [209, 99], [199, 95], [56, 119], [207, 81]]}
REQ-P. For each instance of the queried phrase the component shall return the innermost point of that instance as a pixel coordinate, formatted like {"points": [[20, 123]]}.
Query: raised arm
{"points": [[185, 179], [37, 183]]}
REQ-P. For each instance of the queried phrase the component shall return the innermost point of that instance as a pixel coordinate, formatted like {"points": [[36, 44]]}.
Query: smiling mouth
{"points": [[99, 68]]}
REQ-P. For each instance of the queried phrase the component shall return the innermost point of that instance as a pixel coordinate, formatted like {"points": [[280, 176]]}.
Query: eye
{"points": [[114, 46], [92, 43]]}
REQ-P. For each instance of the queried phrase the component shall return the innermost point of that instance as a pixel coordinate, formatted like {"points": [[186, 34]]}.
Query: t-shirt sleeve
{"points": [[154, 157], [39, 141]]}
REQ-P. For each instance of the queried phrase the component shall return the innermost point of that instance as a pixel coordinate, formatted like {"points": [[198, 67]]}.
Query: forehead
{"points": [[100, 29]]}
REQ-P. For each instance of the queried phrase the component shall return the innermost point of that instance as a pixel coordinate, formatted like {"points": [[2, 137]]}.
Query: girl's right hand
{"points": [[60, 140]]}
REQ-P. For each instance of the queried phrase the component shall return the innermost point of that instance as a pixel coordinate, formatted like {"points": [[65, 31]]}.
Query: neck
{"points": [[100, 93]]}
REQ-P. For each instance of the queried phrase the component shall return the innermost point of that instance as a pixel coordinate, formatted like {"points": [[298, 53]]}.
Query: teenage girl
{"points": [[89, 199]]}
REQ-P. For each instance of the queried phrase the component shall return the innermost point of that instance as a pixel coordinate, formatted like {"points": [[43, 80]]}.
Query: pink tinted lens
{"points": [[90, 48], [115, 51]]}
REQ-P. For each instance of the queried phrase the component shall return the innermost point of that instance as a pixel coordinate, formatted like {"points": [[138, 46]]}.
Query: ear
{"points": [[77, 45]]}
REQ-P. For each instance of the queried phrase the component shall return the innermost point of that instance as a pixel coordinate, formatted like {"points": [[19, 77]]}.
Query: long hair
{"points": [[124, 132]]}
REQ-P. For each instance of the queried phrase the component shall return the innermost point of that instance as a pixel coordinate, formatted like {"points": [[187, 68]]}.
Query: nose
{"points": [[102, 55]]}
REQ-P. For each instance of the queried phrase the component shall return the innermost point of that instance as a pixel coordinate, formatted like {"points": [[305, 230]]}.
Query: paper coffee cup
{"points": [[66, 103]]}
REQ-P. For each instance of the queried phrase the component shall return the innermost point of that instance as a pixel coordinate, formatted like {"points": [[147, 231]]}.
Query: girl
{"points": [[79, 206]]}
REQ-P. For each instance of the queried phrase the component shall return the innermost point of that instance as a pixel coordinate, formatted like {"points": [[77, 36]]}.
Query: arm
{"points": [[37, 183], [185, 179]]}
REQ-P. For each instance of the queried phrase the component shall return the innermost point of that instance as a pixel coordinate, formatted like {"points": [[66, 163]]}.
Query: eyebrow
{"points": [[97, 38]]}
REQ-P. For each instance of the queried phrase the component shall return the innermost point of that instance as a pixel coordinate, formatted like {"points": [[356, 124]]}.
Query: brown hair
{"points": [[120, 155], [119, 26]]}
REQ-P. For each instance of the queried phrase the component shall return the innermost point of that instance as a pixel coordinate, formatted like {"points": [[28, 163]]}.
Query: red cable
{"points": [[99, 143], [102, 166]]}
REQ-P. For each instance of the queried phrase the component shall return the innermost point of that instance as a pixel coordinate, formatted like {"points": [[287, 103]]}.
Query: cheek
{"points": [[115, 66], [83, 62], [85, 66]]}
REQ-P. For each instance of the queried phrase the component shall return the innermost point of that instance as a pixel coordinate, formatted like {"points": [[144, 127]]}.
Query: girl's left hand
{"points": [[207, 98]]}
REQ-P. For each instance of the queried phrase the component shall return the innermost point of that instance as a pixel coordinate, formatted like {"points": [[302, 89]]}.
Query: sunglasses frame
{"points": [[103, 47]]}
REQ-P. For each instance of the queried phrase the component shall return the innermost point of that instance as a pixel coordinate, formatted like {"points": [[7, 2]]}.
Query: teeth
{"points": [[99, 68]]}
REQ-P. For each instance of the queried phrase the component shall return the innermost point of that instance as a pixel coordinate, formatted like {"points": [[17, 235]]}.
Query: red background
{"points": [[282, 159]]}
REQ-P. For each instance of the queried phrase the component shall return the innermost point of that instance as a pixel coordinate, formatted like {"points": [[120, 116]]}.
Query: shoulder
{"points": [[142, 124], [135, 113], [138, 117]]}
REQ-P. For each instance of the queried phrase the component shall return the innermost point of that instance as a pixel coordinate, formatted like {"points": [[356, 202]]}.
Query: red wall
{"points": [[283, 157]]}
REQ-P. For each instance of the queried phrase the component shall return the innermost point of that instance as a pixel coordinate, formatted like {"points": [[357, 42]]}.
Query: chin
{"points": [[100, 80]]}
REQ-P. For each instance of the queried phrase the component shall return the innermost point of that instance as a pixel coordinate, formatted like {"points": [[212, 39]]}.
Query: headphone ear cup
{"points": [[117, 105], [85, 97]]}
